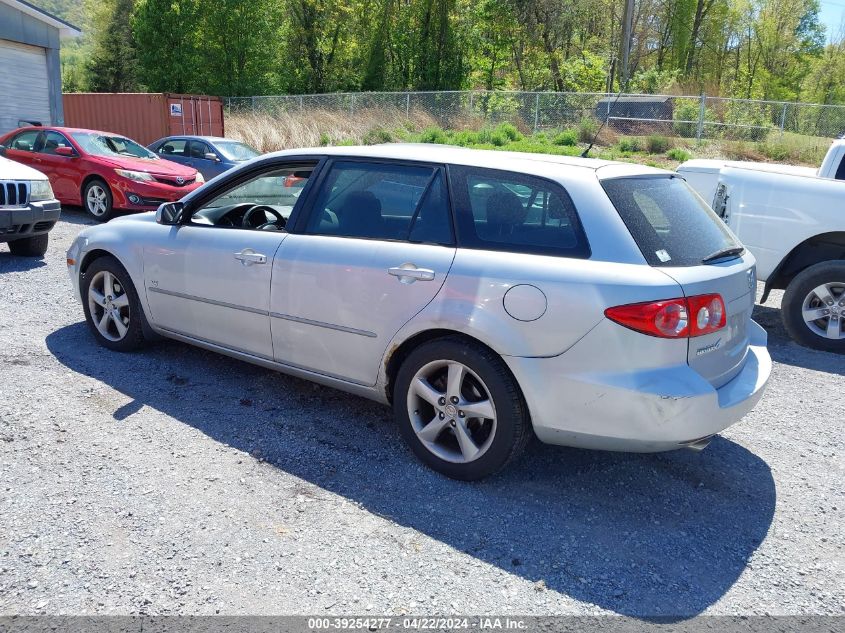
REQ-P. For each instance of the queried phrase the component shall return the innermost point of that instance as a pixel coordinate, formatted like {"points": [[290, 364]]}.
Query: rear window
{"points": [[671, 225]]}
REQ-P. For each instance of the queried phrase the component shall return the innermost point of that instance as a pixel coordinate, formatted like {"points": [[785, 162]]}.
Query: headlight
{"points": [[200, 178], [40, 190], [141, 176]]}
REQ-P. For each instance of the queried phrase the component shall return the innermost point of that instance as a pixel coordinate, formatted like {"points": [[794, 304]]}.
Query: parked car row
{"points": [[105, 172], [486, 296]]}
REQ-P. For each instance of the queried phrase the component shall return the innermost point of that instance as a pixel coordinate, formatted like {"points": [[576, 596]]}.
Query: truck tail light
{"points": [[673, 318]]}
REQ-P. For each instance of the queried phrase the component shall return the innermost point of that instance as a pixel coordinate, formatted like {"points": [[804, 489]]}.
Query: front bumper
{"points": [[149, 194], [34, 219], [657, 409]]}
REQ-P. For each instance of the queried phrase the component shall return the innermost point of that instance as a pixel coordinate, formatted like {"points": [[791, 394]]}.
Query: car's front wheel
{"points": [[98, 200], [460, 409], [111, 305], [814, 307], [34, 246]]}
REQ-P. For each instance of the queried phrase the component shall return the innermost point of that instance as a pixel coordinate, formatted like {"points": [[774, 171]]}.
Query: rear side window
{"points": [[671, 225], [840, 173], [382, 201], [173, 147], [506, 211], [25, 141]]}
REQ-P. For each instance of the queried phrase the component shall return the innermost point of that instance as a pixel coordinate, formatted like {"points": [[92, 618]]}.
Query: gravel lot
{"points": [[180, 481]]}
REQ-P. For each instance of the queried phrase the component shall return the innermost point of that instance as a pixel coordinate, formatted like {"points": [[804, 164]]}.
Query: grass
{"points": [[322, 127]]}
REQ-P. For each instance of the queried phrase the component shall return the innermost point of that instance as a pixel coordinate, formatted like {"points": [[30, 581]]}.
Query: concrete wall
{"points": [[19, 27]]}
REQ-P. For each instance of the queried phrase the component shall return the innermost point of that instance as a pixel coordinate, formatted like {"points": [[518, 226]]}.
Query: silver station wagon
{"points": [[487, 296]]}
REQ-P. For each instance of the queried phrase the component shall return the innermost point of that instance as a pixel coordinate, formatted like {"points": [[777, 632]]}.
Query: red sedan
{"points": [[100, 171]]}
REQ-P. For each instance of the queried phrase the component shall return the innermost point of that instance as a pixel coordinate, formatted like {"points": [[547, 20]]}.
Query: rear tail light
{"points": [[673, 318]]}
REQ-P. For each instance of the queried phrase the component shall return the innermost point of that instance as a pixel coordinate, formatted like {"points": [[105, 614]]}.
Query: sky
{"points": [[832, 14]]}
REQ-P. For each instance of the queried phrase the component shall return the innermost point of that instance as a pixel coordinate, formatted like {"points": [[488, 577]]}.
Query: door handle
{"points": [[248, 257], [409, 273]]}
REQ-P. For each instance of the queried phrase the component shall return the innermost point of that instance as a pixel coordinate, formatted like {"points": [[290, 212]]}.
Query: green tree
{"points": [[113, 65], [167, 33]]}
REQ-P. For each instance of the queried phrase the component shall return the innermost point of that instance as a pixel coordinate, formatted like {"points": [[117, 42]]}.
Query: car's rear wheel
{"points": [[111, 305], [98, 200], [34, 246], [460, 409], [814, 307]]}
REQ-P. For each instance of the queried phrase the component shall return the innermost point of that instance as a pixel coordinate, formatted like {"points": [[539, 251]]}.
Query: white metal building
{"points": [[30, 69]]}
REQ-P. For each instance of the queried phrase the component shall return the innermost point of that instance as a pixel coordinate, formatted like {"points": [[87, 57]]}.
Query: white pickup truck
{"points": [[793, 220]]}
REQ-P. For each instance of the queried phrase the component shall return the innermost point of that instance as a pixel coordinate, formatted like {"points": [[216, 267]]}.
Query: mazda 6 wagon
{"points": [[486, 296]]}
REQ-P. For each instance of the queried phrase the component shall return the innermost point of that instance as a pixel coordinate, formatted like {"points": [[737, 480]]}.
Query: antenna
{"points": [[627, 34], [586, 152]]}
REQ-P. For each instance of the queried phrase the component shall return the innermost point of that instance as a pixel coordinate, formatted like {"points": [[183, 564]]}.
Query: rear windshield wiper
{"points": [[723, 254]]}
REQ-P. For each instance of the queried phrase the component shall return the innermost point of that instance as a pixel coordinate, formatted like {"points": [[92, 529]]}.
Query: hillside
{"points": [[72, 11]]}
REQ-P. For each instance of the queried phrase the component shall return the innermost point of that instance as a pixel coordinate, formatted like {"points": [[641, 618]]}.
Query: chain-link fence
{"points": [[687, 116]]}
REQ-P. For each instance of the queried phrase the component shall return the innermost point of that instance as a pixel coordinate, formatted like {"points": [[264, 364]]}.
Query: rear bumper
{"points": [[34, 219], [658, 409]]}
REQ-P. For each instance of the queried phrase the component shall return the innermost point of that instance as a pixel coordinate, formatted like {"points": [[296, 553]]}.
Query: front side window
{"points": [[110, 145], [513, 212], [671, 224], [264, 202], [25, 141], [382, 201], [198, 149], [51, 141]]}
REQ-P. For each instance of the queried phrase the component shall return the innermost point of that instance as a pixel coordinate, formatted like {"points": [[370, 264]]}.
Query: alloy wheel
{"points": [[451, 411], [824, 310], [108, 305], [97, 200]]}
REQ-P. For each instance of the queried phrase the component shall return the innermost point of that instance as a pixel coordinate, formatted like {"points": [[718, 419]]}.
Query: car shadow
{"points": [[76, 215], [17, 263], [663, 535], [784, 350]]}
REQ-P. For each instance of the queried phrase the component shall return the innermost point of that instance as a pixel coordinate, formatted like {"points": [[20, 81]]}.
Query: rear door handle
{"points": [[409, 273], [248, 257]]}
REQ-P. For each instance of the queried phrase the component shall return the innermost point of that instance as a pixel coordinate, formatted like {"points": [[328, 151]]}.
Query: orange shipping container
{"points": [[145, 117]]}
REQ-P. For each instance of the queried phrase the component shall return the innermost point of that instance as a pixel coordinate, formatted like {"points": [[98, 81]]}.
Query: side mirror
{"points": [[2, 150], [64, 150], [170, 213], [212, 156]]}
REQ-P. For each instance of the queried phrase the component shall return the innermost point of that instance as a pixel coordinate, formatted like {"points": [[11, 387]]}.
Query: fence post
{"points": [[471, 95], [407, 105], [352, 104], [253, 103], [702, 108], [536, 111], [782, 119], [301, 105]]}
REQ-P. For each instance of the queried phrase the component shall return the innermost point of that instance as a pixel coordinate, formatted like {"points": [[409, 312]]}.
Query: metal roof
{"points": [[66, 29]]}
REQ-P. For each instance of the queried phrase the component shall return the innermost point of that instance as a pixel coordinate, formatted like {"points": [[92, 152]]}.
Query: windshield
{"points": [[671, 224], [233, 150], [109, 145]]}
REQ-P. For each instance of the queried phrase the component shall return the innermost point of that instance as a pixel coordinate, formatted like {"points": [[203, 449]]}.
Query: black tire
{"points": [[513, 425], [134, 337], [831, 272], [100, 216], [34, 246]]}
